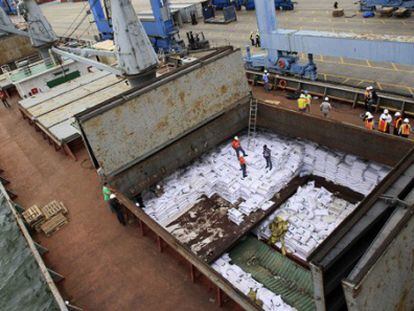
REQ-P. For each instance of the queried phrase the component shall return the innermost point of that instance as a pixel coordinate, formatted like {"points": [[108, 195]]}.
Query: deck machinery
{"points": [[370, 5], [162, 32], [284, 45]]}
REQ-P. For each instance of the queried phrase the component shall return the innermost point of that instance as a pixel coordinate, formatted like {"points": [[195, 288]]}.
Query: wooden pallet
{"points": [[33, 215], [53, 224], [53, 208]]}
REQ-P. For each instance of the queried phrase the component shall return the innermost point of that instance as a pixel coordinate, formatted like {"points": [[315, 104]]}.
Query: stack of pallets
{"points": [[34, 217], [48, 218]]}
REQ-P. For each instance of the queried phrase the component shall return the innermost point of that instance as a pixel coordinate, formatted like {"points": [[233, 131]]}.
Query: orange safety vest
{"points": [[397, 123], [382, 125], [405, 129], [242, 160], [369, 124], [235, 144]]}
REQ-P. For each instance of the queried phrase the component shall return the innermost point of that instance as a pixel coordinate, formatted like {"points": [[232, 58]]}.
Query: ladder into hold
{"points": [[251, 133]]}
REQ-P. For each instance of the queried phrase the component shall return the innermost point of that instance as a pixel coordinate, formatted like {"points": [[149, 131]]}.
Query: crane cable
{"points": [[74, 20], [82, 20]]}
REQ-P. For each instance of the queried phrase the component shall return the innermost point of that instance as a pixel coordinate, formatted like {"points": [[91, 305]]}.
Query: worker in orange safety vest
{"points": [[397, 122], [243, 166], [405, 128], [384, 122], [237, 147], [369, 121]]}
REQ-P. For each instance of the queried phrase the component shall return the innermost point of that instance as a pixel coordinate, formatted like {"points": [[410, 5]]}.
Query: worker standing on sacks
{"points": [[237, 147], [405, 128], [384, 122], [267, 154], [397, 123], [243, 166]]}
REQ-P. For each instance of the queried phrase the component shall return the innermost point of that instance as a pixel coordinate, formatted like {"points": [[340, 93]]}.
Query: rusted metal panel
{"points": [[389, 283], [132, 130], [15, 47], [155, 167]]}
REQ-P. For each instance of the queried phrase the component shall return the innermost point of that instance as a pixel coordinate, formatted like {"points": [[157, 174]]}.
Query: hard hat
{"points": [[236, 138], [371, 87], [367, 88], [368, 115], [326, 98], [112, 196], [302, 96], [406, 120], [397, 114], [265, 71], [386, 111]]}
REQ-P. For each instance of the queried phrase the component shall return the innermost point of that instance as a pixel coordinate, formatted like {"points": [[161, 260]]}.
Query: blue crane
{"points": [[249, 4], [161, 30], [9, 6], [283, 46]]}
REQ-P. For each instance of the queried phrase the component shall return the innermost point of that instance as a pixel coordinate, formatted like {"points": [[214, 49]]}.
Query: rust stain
{"points": [[401, 304], [182, 96], [223, 89], [165, 91], [161, 125]]}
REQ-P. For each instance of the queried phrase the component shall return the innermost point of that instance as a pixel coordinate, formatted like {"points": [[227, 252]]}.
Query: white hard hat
{"points": [[386, 111], [371, 87], [302, 96], [326, 98], [406, 120], [367, 88], [368, 115], [397, 114], [265, 71], [112, 196], [236, 138]]}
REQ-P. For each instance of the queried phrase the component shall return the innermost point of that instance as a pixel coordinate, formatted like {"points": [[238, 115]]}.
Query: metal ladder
{"points": [[251, 131]]}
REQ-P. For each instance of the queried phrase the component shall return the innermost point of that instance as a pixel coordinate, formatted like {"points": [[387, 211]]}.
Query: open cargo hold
{"points": [[135, 158]]}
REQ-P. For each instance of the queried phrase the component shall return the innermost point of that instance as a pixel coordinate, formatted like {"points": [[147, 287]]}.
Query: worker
{"points": [[252, 41], [237, 147], [367, 98], [405, 128], [267, 154], [117, 208], [302, 103], [386, 117], [3, 98], [266, 81], [336, 4], [257, 39], [139, 202], [309, 99], [396, 124], [369, 121], [243, 166], [106, 192], [326, 107]]}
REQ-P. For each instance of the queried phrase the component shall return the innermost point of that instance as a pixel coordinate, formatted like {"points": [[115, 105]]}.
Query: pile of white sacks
{"points": [[219, 172], [244, 282], [312, 213]]}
